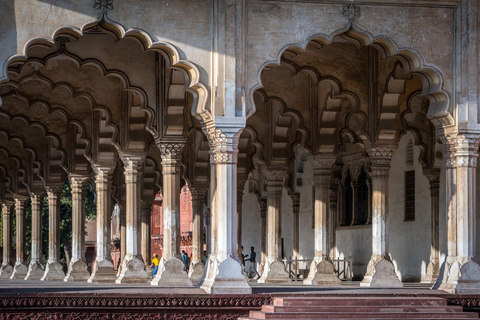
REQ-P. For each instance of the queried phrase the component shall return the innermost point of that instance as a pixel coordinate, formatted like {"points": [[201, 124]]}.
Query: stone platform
{"points": [[21, 299]]}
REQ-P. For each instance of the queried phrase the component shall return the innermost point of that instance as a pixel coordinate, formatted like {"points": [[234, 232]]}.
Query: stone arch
{"points": [[411, 60], [171, 53]]}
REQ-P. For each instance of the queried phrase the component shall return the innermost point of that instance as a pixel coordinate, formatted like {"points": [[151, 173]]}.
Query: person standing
{"points": [[186, 261], [154, 265], [253, 264]]}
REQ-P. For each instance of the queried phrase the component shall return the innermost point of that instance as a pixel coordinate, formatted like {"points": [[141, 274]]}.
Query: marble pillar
{"points": [[433, 268], [20, 268], [103, 271], [274, 270], [380, 270], [6, 269], [332, 221], [241, 180], [462, 272], [35, 267], [296, 224], [146, 250], [263, 234], [171, 271], [54, 269], [197, 266], [224, 270], [322, 271], [132, 267], [123, 235], [77, 268]]}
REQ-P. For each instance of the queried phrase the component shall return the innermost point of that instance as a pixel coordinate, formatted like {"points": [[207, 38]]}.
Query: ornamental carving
{"points": [[351, 11], [171, 151], [77, 182], [381, 152], [103, 5], [218, 157]]}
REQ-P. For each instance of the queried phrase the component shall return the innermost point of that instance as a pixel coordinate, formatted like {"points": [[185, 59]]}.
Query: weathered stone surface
{"points": [[225, 277], [103, 272], [196, 272], [35, 271], [77, 271], [53, 272], [323, 275], [171, 274], [20, 271], [384, 276], [6, 271], [133, 271], [275, 273]]}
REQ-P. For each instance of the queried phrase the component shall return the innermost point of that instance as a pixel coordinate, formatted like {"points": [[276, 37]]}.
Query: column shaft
{"points": [[20, 270], [54, 270], [296, 224], [35, 267], [146, 231], [7, 267], [197, 266], [433, 267]]}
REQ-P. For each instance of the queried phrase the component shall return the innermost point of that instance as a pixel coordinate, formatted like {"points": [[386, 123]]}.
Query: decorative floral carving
{"points": [[103, 5], [351, 11]]}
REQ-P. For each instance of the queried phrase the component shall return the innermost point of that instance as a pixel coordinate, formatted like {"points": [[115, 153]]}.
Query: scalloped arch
{"points": [[411, 60], [174, 56]]}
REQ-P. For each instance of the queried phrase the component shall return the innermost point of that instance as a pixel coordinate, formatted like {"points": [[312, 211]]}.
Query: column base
{"points": [[133, 271], [274, 272], [224, 277], [196, 272], [381, 274], [461, 277], [171, 274], [53, 272], [103, 272], [433, 271], [35, 270], [77, 271], [6, 271], [322, 273], [20, 271]]}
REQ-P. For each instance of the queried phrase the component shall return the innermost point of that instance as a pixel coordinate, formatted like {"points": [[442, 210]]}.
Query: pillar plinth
{"points": [[380, 270], [274, 269], [6, 269], [224, 270], [103, 271], [171, 271], [53, 269], [196, 266], [20, 268], [36, 268], [433, 268], [462, 272], [133, 266], [77, 268], [322, 271]]}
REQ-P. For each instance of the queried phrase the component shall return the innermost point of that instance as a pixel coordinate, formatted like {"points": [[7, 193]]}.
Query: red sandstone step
{"points": [[359, 301], [336, 318], [370, 309], [366, 315]]}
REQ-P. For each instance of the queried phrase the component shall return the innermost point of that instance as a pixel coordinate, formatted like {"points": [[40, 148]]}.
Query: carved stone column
{"points": [[370, 196], [196, 266], [331, 240], [171, 271], [322, 271], [462, 272], [433, 268], [103, 271], [20, 268], [123, 234], [133, 267], [263, 234], [36, 268], [224, 271], [7, 267], [380, 270], [296, 224], [241, 185], [53, 269], [77, 269], [274, 270], [354, 185], [146, 250]]}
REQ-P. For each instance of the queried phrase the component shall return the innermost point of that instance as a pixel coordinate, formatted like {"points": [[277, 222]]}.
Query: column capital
{"points": [[20, 200], [466, 150], [132, 161], [223, 144], [6, 207], [263, 207], [77, 181], [103, 171], [198, 192], [380, 157], [54, 189], [295, 202], [322, 169], [274, 177]]}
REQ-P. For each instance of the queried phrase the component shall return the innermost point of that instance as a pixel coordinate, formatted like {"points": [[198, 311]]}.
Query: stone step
{"points": [[359, 301], [373, 308], [337, 318], [356, 315]]}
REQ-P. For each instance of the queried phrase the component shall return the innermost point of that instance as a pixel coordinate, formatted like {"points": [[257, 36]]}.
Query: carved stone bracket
{"points": [[274, 178], [322, 169], [380, 157], [223, 145], [461, 150], [171, 154], [198, 193]]}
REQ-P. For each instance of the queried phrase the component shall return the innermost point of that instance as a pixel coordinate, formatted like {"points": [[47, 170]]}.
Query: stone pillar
{"points": [[171, 271], [103, 271], [274, 270], [354, 186], [36, 268], [370, 196], [197, 267], [322, 271], [146, 250], [20, 268], [331, 240], [133, 267], [296, 224], [462, 272], [433, 268], [123, 235], [263, 234], [6, 269], [380, 270], [77, 268], [53, 269], [224, 271], [241, 185]]}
